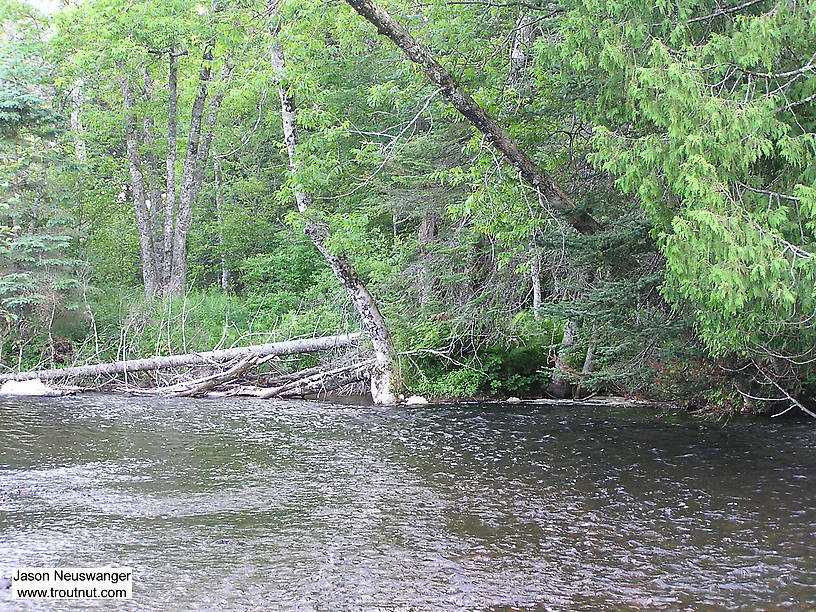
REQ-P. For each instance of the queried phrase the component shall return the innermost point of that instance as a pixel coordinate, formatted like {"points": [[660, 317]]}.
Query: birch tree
{"points": [[384, 375], [180, 39]]}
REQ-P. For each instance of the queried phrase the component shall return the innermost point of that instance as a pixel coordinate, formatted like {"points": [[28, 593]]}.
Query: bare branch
{"points": [[784, 391], [722, 12], [794, 104]]}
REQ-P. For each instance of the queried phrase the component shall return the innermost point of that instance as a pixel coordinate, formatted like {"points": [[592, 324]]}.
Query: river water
{"points": [[253, 505]]}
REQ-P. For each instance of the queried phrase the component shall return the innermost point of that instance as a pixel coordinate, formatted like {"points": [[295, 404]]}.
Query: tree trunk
{"points": [[225, 275], [461, 100], [143, 225], [535, 277], [154, 185], [560, 386], [384, 378], [170, 167], [178, 272], [192, 175], [289, 347], [589, 366], [76, 121]]}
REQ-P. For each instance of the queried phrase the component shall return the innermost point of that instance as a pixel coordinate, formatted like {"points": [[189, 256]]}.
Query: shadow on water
{"points": [[245, 504]]}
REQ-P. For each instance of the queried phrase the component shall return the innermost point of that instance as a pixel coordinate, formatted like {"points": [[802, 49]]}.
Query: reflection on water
{"points": [[245, 504]]}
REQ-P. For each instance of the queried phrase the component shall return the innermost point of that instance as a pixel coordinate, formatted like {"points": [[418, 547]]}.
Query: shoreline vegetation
{"points": [[500, 200]]}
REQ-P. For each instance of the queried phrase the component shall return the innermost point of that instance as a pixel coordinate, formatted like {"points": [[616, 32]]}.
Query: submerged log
{"points": [[289, 347]]}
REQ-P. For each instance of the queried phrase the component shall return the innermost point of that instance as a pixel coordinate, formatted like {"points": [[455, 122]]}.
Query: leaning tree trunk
{"points": [[384, 378], [461, 100]]}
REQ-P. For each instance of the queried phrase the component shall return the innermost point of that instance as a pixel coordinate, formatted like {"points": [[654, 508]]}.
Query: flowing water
{"points": [[254, 505]]}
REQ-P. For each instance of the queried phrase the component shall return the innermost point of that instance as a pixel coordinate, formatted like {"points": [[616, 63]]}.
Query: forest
{"points": [[507, 198]]}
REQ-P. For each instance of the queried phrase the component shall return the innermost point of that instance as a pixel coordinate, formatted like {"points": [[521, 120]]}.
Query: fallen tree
{"points": [[288, 347], [203, 385], [232, 381], [327, 380]]}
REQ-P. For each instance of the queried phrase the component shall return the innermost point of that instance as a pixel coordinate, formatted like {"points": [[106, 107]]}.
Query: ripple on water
{"points": [[242, 504]]}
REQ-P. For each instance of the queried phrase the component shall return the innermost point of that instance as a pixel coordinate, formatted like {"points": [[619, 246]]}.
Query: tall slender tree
{"points": [[384, 376]]}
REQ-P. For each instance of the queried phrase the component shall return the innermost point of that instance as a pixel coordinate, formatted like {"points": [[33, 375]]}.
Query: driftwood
{"points": [[200, 386], [326, 380], [289, 347], [323, 378]]}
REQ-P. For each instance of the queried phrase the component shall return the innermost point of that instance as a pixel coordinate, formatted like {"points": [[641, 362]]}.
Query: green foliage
{"points": [[518, 364], [705, 119], [686, 132], [128, 326], [452, 384]]}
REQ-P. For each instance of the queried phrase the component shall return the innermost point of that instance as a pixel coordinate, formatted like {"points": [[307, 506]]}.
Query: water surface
{"points": [[247, 504]]}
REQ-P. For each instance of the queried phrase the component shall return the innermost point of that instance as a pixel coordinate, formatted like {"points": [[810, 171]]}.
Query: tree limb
{"points": [[462, 101]]}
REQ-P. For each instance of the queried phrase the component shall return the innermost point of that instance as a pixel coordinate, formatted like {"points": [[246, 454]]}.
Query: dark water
{"points": [[254, 505]]}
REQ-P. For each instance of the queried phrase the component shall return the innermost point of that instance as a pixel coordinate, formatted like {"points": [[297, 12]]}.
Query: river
{"points": [[241, 504]]}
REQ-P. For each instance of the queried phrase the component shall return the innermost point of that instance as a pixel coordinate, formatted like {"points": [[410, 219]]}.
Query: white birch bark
{"points": [[289, 347], [535, 277], [77, 101], [384, 377]]}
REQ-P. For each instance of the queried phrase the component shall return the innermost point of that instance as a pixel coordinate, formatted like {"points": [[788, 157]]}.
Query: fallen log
{"points": [[281, 377], [321, 380], [289, 347], [200, 386], [305, 382]]}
